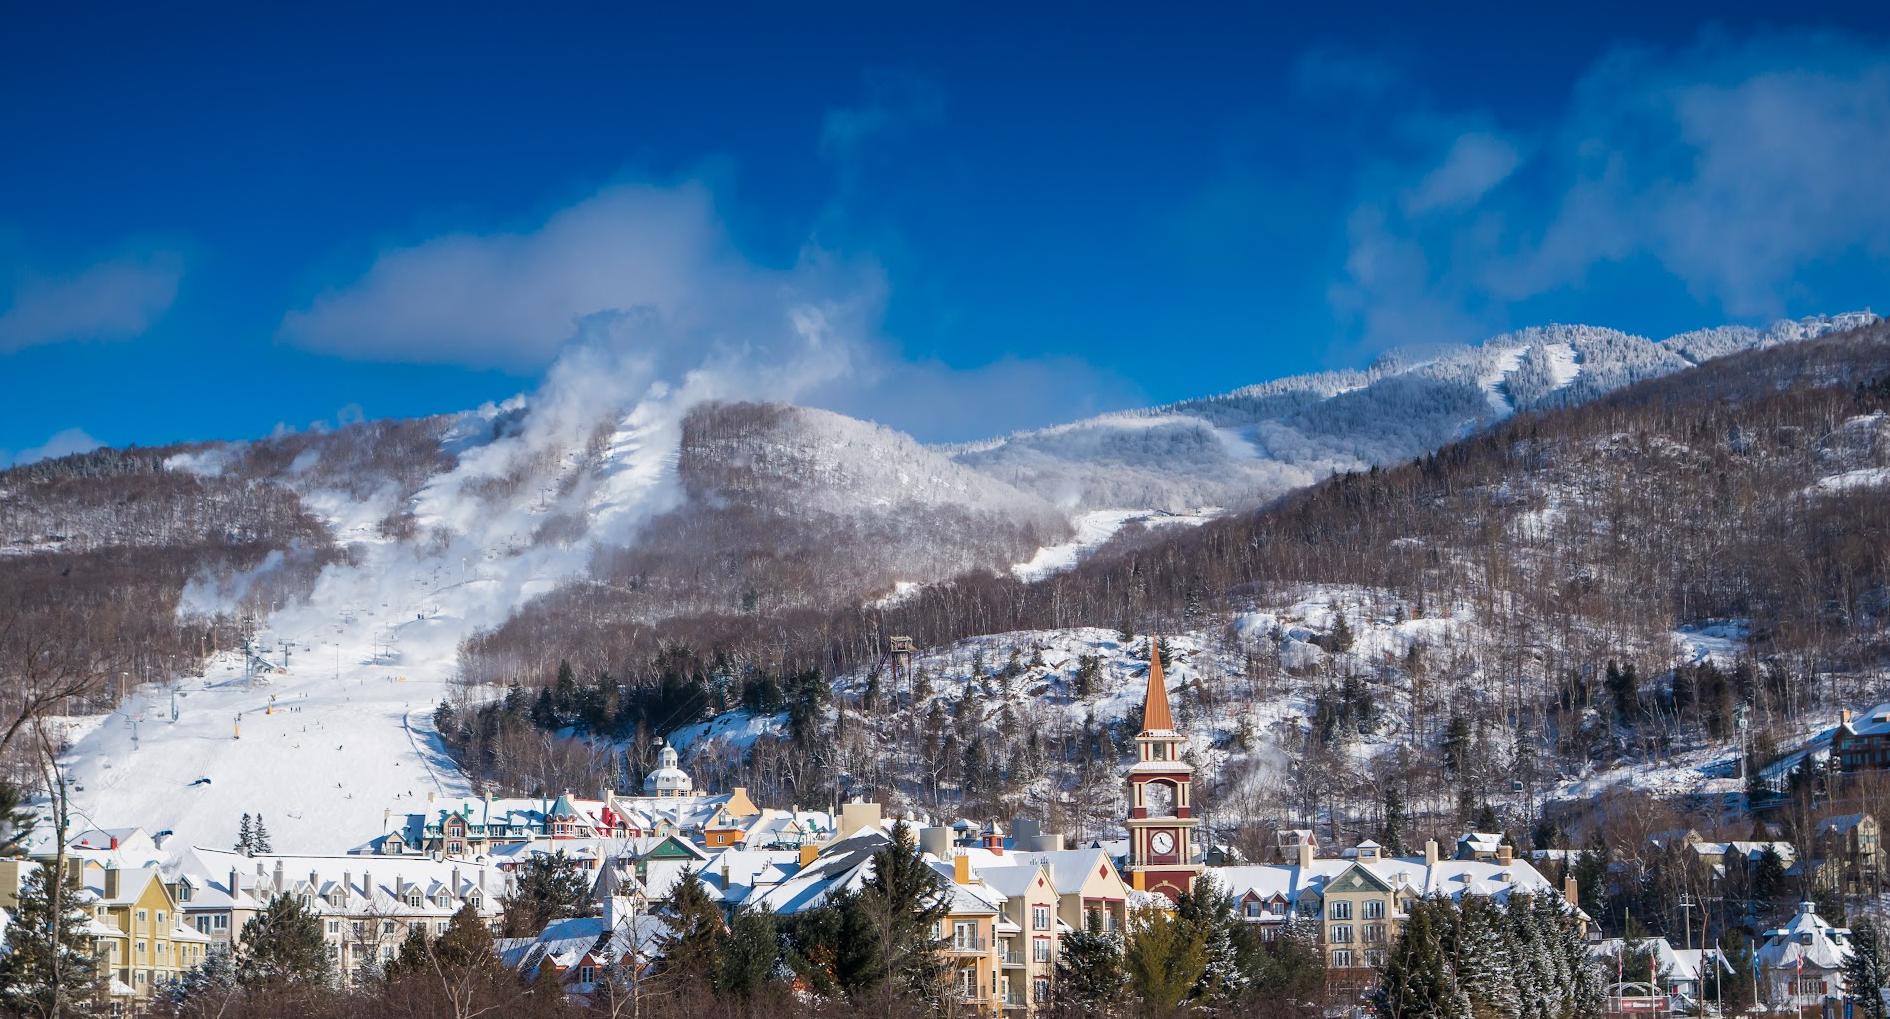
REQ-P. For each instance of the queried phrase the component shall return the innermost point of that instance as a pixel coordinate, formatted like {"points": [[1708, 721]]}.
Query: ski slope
{"points": [[327, 747]]}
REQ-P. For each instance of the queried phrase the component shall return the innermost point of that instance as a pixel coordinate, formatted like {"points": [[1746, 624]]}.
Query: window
{"points": [[1252, 907], [1040, 918], [387, 926], [587, 974], [160, 919], [203, 925], [413, 899], [964, 935], [1341, 933], [1040, 989], [334, 926], [1375, 934], [1808, 985], [143, 916], [221, 921], [1374, 909], [1341, 957], [1340, 910], [1040, 950], [183, 891], [140, 950], [1375, 957], [968, 982]]}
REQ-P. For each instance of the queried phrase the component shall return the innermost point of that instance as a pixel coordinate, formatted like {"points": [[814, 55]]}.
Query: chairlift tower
{"points": [[899, 650]]}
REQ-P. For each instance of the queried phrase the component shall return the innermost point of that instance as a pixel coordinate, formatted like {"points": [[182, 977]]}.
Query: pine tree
{"points": [[1865, 973], [414, 956], [1479, 950], [694, 941], [1734, 983], [48, 967], [751, 954], [1416, 981], [467, 943], [545, 888], [16, 821], [245, 837], [260, 843], [1391, 832], [207, 989], [1164, 958], [1340, 639], [1209, 911], [907, 900], [283, 944]]}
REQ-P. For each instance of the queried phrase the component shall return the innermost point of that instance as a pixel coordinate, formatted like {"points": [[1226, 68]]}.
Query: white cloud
{"points": [[113, 299], [1731, 165], [1476, 162], [63, 443]]}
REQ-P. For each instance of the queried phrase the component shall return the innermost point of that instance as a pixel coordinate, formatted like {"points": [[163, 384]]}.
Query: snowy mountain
{"points": [[396, 558], [1248, 445]]}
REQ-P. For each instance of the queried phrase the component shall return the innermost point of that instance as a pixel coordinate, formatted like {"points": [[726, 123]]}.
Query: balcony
{"points": [[967, 945], [1009, 955]]}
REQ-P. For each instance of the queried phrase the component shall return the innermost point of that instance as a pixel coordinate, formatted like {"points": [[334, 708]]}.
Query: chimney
{"points": [[937, 841], [482, 882], [232, 883], [1430, 852], [114, 843], [1305, 854], [111, 882], [961, 869], [347, 883], [314, 882], [1572, 891], [1844, 716], [1505, 854], [278, 877], [75, 872], [367, 886], [809, 852], [455, 873]]}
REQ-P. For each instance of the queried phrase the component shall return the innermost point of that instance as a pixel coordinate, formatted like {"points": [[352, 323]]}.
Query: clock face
{"points": [[1162, 842]]}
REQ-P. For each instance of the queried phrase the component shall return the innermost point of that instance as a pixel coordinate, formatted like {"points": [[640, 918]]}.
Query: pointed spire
{"points": [[1155, 714]]}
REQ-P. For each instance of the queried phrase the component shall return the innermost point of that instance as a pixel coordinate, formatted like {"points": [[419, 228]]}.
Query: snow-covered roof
{"points": [[364, 884], [1808, 938], [1449, 878]]}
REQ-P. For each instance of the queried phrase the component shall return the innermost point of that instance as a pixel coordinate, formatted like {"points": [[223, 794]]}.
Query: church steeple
{"points": [[1155, 714]]}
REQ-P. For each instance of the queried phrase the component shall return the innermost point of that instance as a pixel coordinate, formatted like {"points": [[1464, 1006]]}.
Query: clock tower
{"points": [[1161, 796]]}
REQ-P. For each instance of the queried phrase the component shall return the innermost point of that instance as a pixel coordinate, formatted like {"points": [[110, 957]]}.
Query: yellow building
{"points": [[1029, 934], [969, 933], [142, 940]]}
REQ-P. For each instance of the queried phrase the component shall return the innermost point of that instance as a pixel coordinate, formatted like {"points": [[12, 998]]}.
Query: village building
{"points": [[367, 906], [1161, 799], [1862, 743], [1848, 850], [1801, 964]]}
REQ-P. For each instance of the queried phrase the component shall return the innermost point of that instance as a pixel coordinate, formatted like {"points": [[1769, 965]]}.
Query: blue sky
{"points": [[218, 222]]}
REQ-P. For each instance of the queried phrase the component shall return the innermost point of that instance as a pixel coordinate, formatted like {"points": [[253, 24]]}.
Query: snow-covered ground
{"points": [[324, 747], [1093, 529]]}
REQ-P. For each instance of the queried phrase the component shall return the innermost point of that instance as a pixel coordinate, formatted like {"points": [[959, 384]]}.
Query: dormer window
{"points": [[413, 899], [183, 891]]}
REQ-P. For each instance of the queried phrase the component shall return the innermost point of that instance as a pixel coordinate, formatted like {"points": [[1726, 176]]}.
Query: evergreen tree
{"points": [[414, 956], [545, 888], [207, 989], [835, 948], [1479, 950], [260, 844], [245, 837], [283, 944], [1865, 973], [1417, 981], [1165, 960], [1089, 969], [16, 821], [467, 943], [48, 967], [1291, 966], [694, 941], [1340, 639], [1734, 988], [1768, 878], [1209, 912], [906, 900], [750, 956], [1591, 876], [1391, 832]]}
